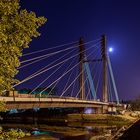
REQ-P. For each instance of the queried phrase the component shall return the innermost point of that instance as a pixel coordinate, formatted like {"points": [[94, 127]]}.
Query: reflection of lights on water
{"points": [[36, 109], [89, 127], [13, 111], [36, 132]]}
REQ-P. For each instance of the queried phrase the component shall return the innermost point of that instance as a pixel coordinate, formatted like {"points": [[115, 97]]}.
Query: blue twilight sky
{"points": [[118, 19]]}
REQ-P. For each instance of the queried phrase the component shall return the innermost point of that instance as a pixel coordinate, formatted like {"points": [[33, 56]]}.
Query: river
{"points": [[72, 131], [49, 126]]}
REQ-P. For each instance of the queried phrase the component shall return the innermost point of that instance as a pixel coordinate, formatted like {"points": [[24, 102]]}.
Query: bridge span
{"points": [[29, 103], [75, 78]]}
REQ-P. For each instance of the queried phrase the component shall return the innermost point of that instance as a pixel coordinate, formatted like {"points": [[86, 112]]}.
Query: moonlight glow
{"points": [[110, 49]]}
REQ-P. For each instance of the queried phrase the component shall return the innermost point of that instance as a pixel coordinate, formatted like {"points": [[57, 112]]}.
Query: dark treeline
{"points": [[135, 104]]}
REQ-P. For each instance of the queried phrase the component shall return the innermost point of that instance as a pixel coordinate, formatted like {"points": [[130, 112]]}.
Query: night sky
{"points": [[118, 19]]}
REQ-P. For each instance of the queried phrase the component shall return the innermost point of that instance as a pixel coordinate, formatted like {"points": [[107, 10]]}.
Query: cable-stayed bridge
{"points": [[77, 74]]}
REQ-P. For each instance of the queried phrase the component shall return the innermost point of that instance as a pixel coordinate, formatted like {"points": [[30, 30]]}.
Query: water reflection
{"points": [[71, 132]]}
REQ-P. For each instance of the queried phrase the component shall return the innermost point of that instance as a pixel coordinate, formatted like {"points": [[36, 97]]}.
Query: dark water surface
{"points": [[83, 131], [52, 123]]}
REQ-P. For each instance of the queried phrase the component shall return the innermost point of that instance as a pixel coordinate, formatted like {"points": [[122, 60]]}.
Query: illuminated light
{"points": [[89, 127], [13, 111], [110, 49], [36, 109], [88, 111]]}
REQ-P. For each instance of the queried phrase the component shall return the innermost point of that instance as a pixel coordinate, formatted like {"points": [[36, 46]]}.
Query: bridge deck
{"points": [[24, 103], [23, 99]]}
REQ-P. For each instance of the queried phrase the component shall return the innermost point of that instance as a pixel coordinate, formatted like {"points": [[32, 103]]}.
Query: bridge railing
{"points": [[50, 99]]}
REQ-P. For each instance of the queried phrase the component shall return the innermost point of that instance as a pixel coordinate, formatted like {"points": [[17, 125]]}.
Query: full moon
{"points": [[110, 49]]}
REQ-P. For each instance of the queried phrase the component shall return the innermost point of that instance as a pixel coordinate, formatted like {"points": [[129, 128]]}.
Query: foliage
{"points": [[17, 29], [2, 106], [12, 134], [135, 104]]}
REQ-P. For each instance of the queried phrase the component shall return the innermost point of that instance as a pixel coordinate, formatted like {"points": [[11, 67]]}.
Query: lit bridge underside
{"points": [[29, 103]]}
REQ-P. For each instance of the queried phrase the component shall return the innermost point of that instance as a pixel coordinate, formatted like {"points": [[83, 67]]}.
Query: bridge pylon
{"points": [[104, 60], [81, 67]]}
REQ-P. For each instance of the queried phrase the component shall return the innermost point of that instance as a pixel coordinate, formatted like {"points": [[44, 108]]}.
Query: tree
{"points": [[17, 29], [135, 104]]}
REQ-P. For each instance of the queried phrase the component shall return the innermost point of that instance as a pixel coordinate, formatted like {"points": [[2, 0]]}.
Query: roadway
{"points": [[26, 103], [57, 102]]}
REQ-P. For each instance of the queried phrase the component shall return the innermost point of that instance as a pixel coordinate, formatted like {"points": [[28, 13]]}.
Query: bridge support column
{"points": [[81, 61], [102, 110], [99, 110], [104, 59], [105, 109]]}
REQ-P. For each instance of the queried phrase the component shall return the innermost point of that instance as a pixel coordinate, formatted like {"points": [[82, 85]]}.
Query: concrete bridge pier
{"points": [[98, 110], [102, 110]]}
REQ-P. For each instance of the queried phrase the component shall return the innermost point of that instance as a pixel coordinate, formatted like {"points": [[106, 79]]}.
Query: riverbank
{"points": [[132, 133], [39, 137], [78, 125], [83, 132], [125, 119]]}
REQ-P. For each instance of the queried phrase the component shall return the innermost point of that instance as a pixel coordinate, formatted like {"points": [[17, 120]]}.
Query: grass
{"points": [[99, 118]]}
